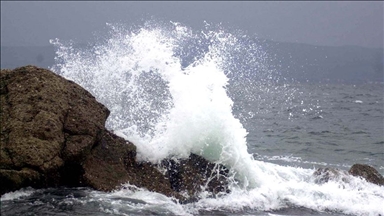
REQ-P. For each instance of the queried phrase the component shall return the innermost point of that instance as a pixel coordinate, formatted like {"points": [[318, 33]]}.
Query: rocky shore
{"points": [[53, 134]]}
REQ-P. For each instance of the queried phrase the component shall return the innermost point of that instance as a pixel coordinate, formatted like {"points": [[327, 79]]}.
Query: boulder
{"points": [[195, 174], [368, 173], [323, 175], [48, 124], [53, 134]]}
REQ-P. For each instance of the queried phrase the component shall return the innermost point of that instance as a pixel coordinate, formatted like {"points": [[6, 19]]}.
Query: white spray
{"points": [[171, 99]]}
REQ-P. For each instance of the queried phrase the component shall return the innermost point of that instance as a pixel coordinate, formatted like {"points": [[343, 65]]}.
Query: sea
{"points": [[173, 90]]}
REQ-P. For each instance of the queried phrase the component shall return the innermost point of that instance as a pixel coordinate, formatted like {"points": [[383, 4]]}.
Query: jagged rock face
{"points": [[52, 134], [367, 172]]}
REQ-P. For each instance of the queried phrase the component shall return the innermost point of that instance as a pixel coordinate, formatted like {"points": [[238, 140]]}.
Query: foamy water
{"points": [[172, 99]]}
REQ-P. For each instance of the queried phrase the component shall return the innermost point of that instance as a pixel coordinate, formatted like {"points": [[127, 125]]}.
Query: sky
{"points": [[331, 23]]}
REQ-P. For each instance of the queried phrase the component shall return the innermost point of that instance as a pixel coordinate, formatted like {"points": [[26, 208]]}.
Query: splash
{"points": [[167, 96], [170, 90]]}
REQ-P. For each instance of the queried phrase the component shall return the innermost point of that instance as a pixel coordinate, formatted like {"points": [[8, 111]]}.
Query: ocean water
{"points": [[173, 90]]}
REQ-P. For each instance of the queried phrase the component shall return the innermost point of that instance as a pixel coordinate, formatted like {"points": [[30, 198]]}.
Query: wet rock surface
{"points": [[368, 173], [196, 174], [53, 134], [364, 171], [323, 175]]}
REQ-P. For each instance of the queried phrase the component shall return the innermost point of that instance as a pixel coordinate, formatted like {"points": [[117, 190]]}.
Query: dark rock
{"points": [[52, 134], [112, 163], [193, 174], [368, 173]]}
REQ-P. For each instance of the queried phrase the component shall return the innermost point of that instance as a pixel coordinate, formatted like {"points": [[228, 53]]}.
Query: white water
{"points": [[167, 89]]}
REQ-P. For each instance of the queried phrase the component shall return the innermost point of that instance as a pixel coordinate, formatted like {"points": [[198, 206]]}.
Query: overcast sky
{"points": [[320, 23]]}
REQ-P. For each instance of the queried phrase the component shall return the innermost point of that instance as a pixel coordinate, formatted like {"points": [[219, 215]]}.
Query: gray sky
{"points": [[320, 23]]}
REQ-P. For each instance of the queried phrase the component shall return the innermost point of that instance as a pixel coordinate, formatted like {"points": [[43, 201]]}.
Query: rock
{"points": [[112, 163], [195, 174], [53, 134], [368, 173], [323, 175], [47, 123]]}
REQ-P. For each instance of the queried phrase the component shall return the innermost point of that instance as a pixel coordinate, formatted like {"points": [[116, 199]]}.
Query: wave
{"points": [[171, 91]]}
